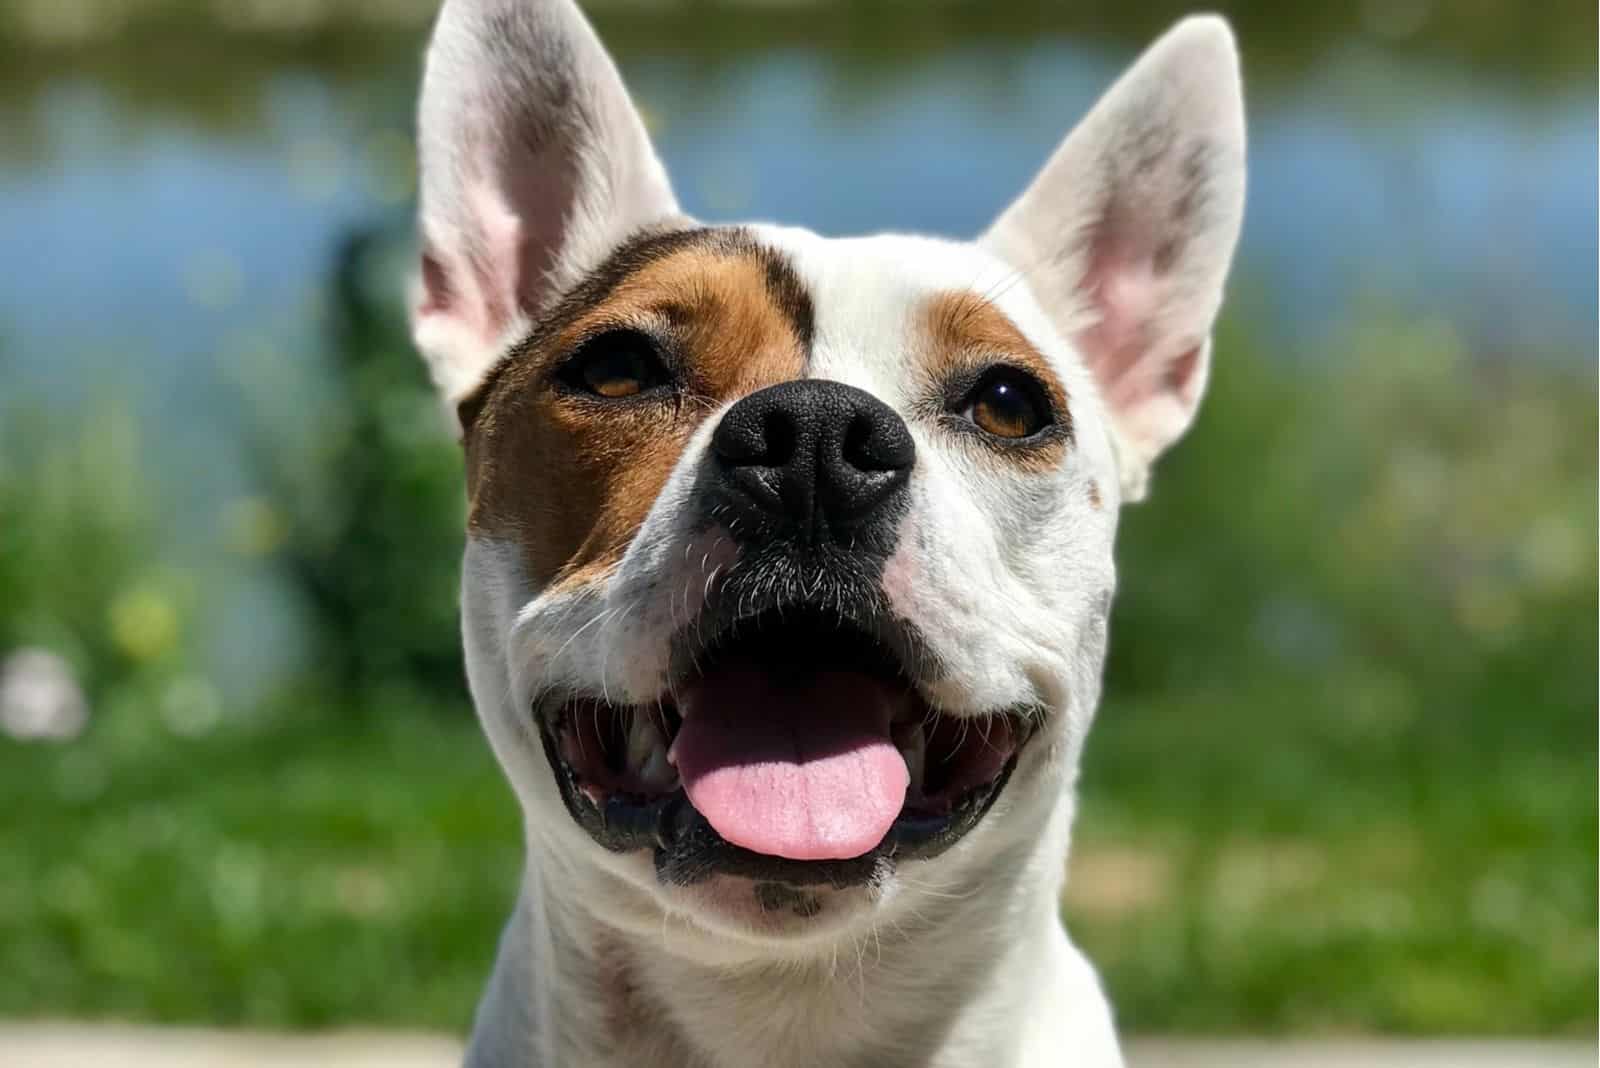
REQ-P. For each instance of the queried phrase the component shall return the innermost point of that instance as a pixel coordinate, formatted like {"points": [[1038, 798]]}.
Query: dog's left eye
{"points": [[1008, 404], [615, 366]]}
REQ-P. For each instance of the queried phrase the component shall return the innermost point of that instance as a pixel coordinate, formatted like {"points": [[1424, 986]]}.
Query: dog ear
{"points": [[1126, 234], [534, 165]]}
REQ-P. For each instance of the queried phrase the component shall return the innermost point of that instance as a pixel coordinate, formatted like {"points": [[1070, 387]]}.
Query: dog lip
{"points": [[625, 813], [687, 850]]}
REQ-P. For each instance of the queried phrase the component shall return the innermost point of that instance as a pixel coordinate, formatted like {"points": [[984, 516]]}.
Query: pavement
{"points": [[1358, 1053], [72, 1045]]}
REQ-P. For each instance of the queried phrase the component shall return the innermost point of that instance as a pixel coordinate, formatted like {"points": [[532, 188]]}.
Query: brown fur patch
{"points": [[570, 477], [965, 336], [1094, 495]]}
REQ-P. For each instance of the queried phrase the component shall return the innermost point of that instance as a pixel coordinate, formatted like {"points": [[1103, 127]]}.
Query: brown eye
{"points": [[615, 374], [616, 366], [1008, 404]]}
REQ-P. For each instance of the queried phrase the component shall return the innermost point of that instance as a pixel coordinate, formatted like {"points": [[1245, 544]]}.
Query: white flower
{"points": [[40, 698]]}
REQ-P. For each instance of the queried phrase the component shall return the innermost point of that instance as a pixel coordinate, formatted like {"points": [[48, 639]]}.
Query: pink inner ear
{"points": [[1124, 300], [1123, 285], [545, 186], [494, 259], [437, 296], [1184, 377], [500, 263], [1128, 284]]}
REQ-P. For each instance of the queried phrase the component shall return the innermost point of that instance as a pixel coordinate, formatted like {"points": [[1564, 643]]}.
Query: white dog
{"points": [[789, 558]]}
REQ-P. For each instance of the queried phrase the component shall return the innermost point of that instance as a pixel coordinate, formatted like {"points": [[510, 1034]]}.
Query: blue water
{"points": [[144, 252], [1421, 188]]}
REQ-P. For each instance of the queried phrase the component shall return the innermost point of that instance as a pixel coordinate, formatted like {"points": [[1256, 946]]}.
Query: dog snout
{"points": [[819, 457]]}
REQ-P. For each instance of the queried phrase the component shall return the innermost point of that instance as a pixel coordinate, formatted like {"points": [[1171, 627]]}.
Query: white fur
{"points": [[955, 961]]}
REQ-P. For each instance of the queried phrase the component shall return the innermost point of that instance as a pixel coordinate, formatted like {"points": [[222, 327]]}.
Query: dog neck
{"points": [[945, 985]]}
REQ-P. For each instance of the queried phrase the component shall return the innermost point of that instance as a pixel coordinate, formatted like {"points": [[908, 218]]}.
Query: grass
{"points": [[1345, 775], [1343, 779], [311, 870], [1308, 879], [299, 873]]}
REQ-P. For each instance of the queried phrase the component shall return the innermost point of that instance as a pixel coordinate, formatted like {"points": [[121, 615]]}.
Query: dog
{"points": [[789, 558]]}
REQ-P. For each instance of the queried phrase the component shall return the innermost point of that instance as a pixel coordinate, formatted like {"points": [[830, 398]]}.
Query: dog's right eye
{"points": [[615, 366]]}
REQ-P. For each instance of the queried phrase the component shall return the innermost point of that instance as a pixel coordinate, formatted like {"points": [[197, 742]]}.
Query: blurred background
{"points": [[1344, 777]]}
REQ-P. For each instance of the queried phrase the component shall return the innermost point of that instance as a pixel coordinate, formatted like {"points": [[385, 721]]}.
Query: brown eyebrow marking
{"points": [[790, 294], [964, 334], [632, 256], [570, 478]]}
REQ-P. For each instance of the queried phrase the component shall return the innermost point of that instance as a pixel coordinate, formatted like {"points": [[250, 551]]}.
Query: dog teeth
{"points": [[657, 773], [647, 753], [912, 741]]}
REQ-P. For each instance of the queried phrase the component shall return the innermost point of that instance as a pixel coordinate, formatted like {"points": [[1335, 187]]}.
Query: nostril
{"points": [[779, 433], [762, 437], [872, 443], [857, 437]]}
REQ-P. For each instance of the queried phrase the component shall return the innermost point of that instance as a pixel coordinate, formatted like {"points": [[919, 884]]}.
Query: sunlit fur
{"points": [[1007, 571]]}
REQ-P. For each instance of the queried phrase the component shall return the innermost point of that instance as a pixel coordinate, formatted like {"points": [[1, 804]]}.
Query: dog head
{"points": [[789, 558]]}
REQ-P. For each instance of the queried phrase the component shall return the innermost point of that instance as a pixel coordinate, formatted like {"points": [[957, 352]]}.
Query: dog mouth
{"points": [[797, 751]]}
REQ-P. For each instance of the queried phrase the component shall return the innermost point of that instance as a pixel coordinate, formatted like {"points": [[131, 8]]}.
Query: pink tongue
{"points": [[802, 770]]}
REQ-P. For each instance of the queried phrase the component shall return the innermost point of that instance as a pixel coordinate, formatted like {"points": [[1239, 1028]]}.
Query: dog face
{"points": [[789, 558]]}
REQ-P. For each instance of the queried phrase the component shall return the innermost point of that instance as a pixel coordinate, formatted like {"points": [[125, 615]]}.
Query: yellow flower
{"points": [[144, 622]]}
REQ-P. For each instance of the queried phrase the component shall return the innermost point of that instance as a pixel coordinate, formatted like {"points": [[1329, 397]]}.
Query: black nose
{"points": [[822, 456]]}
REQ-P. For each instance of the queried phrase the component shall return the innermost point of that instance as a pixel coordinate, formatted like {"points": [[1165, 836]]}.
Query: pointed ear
{"points": [[534, 165], [1126, 234]]}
